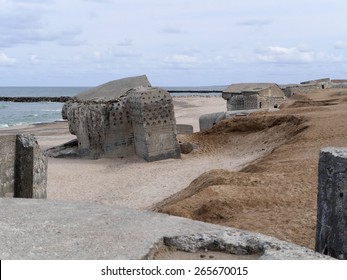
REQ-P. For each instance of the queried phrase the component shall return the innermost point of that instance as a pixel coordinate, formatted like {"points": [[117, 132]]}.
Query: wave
{"points": [[3, 106]]}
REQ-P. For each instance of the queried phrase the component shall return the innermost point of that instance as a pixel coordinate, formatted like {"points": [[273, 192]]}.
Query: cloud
{"points": [[21, 23], [255, 22], [6, 60], [112, 54], [125, 43], [294, 55], [340, 45], [181, 61], [172, 30], [284, 55]]}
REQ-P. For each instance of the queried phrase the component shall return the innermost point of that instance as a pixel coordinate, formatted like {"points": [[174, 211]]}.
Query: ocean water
{"points": [[17, 113]]}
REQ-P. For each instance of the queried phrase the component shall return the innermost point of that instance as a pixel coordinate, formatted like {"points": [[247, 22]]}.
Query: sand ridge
{"points": [[276, 194]]}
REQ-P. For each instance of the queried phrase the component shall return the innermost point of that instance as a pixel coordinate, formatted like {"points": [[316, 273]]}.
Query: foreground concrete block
{"points": [[331, 232], [30, 168], [54, 230], [23, 167]]}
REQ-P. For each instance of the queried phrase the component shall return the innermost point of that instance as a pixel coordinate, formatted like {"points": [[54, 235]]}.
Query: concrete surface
{"points": [[331, 235], [23, 169], [44, 229]]}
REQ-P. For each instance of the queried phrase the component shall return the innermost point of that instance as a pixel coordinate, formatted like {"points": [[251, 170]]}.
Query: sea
{"points": [[17, 113]]}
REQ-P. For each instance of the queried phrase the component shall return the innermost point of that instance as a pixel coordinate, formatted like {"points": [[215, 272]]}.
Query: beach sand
{"points": [[261, 171]]}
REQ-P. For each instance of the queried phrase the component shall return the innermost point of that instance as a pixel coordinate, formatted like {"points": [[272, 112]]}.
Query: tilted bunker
{"points": [[123, 118]]}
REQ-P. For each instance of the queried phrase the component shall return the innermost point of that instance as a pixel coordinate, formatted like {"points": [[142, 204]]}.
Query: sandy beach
{"points": [[261, 170], [129, 182]]}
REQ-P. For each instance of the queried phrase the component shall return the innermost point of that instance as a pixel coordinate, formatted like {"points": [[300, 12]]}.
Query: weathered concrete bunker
{"points": [[307, 86], [253, 96], [123, 118], [331, 230], [23, 170]]}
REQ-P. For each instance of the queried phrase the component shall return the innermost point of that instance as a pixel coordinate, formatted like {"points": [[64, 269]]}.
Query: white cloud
{"points": [[295, 55], [284, 55], [6, 60], [125, 43], [34, 59], [172, 30], [181, 61], [340, 45], [255, 22]]}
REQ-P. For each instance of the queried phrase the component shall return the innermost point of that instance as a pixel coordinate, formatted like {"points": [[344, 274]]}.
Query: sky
{"points": [[173, 42]]}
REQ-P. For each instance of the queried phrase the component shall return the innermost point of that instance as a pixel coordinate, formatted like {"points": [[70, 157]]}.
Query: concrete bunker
{"points": [[253, 96], [123, 118]]}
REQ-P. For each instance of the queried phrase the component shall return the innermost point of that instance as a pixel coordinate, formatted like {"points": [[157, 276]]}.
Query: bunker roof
{"points": [[248, 87], [113, 90]]}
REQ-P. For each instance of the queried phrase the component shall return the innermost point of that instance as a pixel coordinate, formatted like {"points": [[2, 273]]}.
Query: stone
{"points": [[68, 149], [186, 147], [23, 167], [331, 230]]}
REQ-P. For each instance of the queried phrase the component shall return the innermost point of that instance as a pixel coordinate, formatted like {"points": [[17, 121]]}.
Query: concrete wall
{"points": [[102, 129], [7, 157], [23, 170], [331, 230], [250, 101], [119, 136], [236, 102], [184, 129], [297, 89], [154, 124], [206, 121]]}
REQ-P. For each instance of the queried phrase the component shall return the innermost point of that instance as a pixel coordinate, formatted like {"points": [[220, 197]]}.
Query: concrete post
{"points": [[331, 230], [23, 171]]}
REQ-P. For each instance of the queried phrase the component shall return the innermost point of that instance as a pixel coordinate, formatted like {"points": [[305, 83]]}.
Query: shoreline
{"points": [[177, 98]]}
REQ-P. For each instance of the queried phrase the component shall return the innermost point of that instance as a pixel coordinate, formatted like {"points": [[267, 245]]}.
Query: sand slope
{"points": [[275, 195]]}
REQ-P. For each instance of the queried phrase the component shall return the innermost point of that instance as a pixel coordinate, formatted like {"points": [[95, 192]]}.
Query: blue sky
{"points": [[174, 42]]}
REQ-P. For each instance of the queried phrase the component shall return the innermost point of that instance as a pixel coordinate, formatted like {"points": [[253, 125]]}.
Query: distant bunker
{"points": [[123, 118], [253, 96]]}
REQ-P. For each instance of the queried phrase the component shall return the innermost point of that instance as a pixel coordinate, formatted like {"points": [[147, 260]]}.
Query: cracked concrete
{"points": [[45, 229]]}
